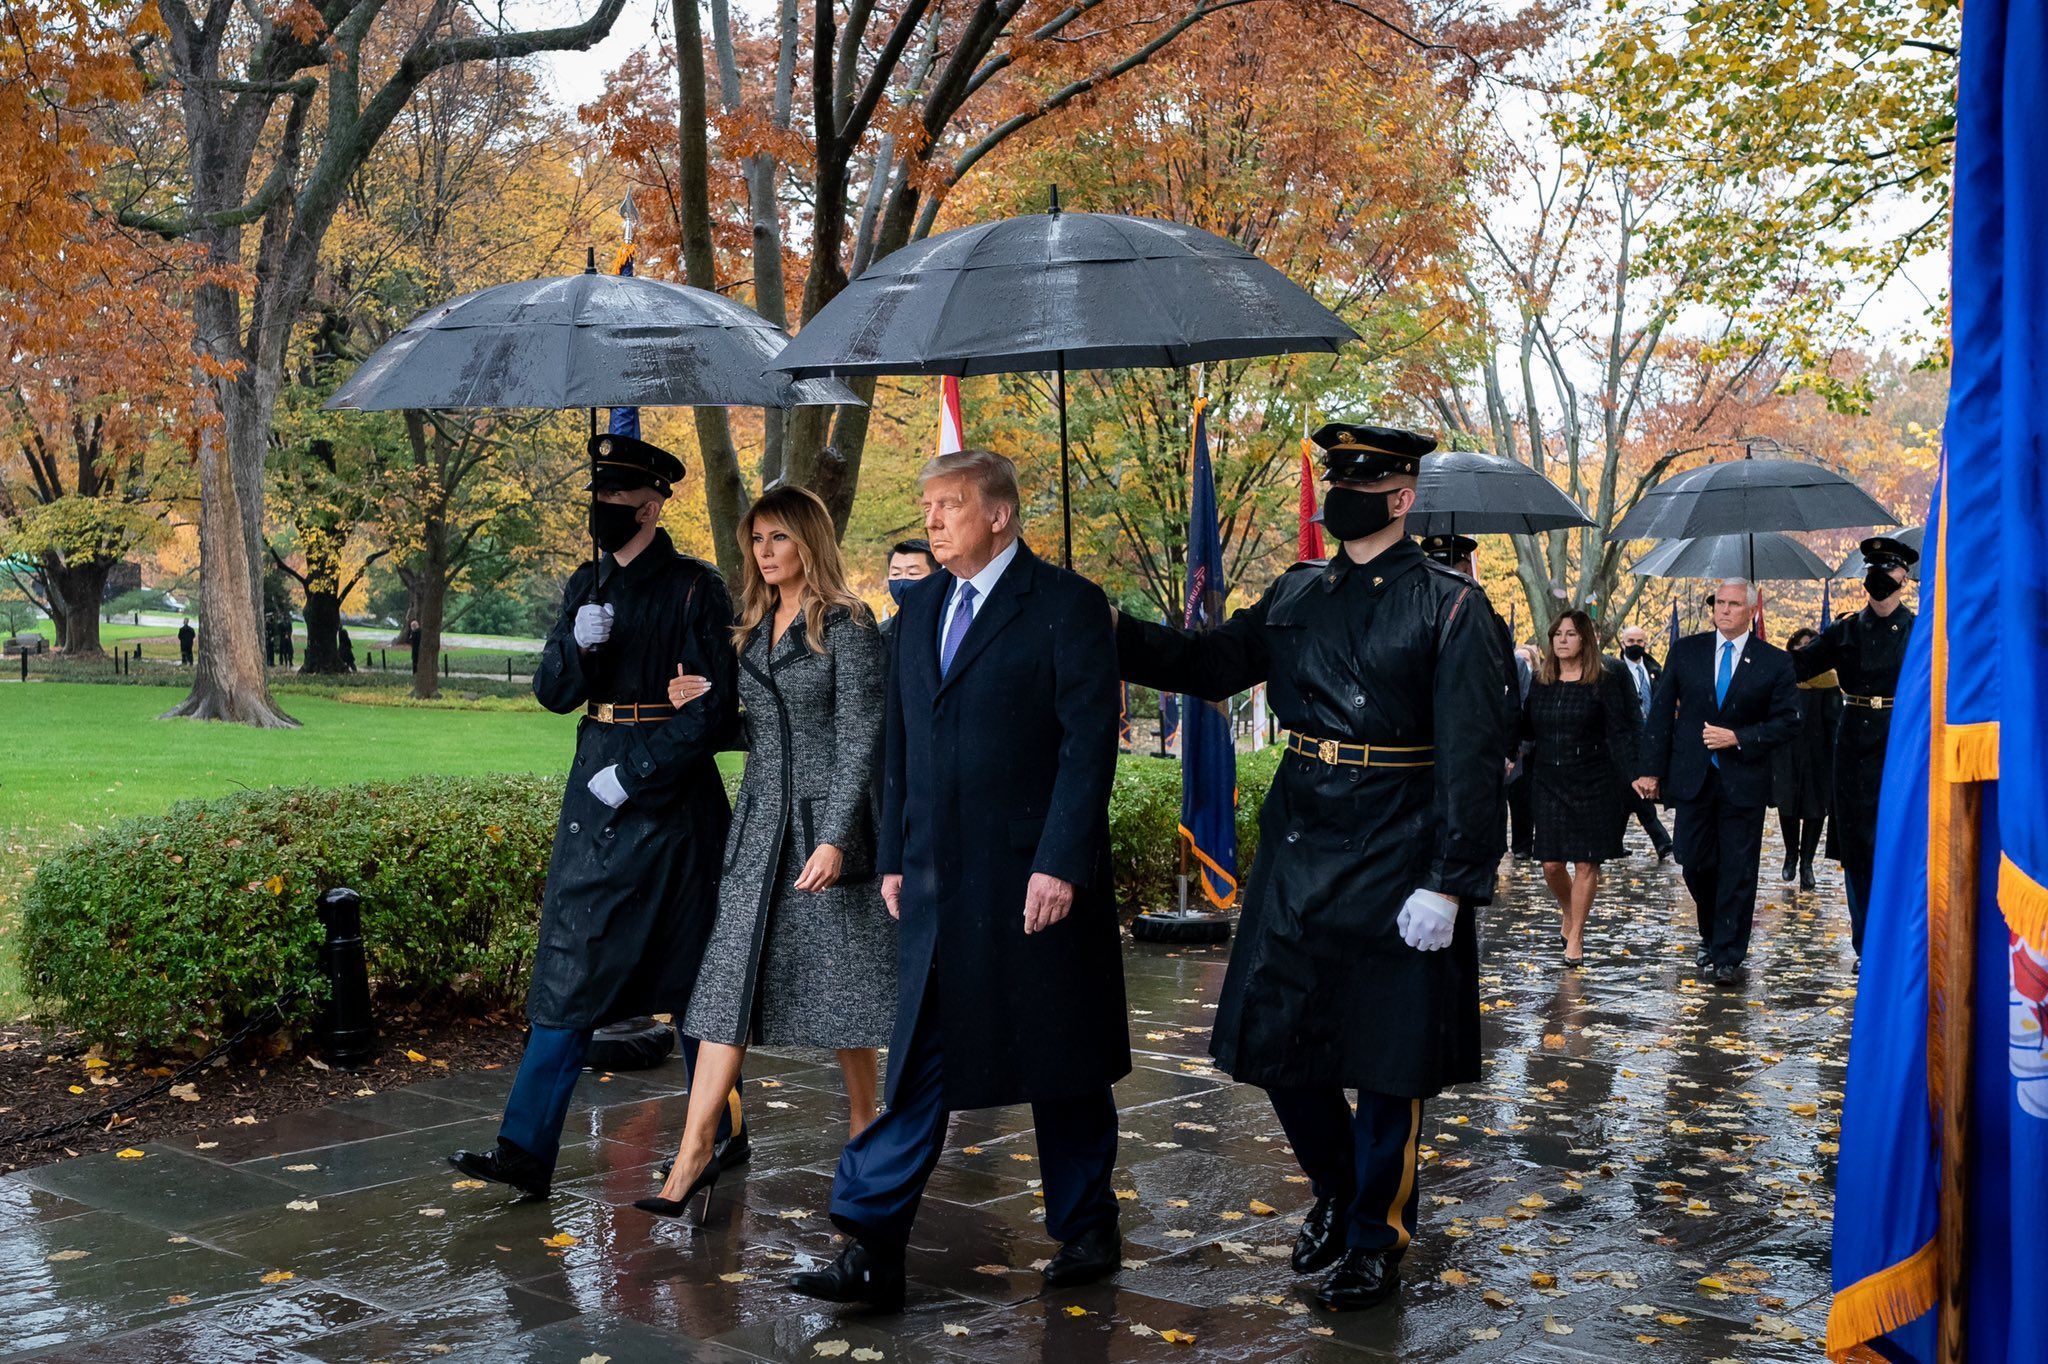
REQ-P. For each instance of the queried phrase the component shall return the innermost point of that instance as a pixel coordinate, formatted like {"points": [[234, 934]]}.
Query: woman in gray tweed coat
{"points": [[803, 952]]}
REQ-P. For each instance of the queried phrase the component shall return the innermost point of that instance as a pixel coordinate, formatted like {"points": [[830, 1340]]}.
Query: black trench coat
{"points": [[1866, 651], [631, 893], [1321, 990], [1002, 769]]}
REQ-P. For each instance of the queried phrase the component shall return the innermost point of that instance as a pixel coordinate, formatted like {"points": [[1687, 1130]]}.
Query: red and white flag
{"points": [[952, 435]]}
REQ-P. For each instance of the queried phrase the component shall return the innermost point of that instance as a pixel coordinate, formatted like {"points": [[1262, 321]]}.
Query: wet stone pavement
{"points": [[1646, 1171]]}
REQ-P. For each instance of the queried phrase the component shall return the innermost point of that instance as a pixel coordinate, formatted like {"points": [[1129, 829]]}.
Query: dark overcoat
{"points": [[1000, 770], [1761, 707], [1401, 651], [1866, 651], [631, 893]]}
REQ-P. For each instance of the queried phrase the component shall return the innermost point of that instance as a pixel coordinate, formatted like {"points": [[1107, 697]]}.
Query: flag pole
{"points": [[1966, 808]]}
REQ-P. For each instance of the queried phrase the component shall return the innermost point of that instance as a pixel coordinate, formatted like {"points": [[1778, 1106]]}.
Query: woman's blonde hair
{"points": [[799, 512], [1589, 649]]}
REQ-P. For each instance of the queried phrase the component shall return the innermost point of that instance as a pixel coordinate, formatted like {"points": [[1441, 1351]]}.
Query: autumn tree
{"points": [[1807, 139], [324, 492], [281, 106], [874, 116], [95, 357]]}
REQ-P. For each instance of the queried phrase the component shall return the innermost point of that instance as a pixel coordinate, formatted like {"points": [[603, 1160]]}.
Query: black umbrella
{"points": [[1765, 555], [1738, 496], [586, 340], [1855, 565], [1062, 291], [1461, 491], [589, 341]]}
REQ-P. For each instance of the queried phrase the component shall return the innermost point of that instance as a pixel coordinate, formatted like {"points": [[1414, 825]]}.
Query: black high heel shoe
{"points": [[675, 1207]]}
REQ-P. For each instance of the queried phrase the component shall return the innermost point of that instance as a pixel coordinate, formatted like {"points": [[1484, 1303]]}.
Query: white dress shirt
{"points": [[983, 582]]}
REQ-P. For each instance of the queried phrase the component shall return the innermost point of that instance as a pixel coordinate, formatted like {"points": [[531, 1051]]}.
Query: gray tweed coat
{"points": [[784, 966]]}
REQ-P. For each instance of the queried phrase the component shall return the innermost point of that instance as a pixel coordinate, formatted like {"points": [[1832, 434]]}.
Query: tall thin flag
{"points": [[952, 433], [625, 420], [1672, 641], [1827, 612], [1947, 1097], [1310, 537], [1208, 774]]}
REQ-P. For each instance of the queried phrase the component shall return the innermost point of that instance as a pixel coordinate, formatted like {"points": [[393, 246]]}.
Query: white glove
{"points": [[605, 786], [593, 625], [1427, 919]]}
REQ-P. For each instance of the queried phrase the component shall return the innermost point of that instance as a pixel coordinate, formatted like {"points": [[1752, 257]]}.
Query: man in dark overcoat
{"points": [[1356, 964], [632, 885], [1865, 651], [1726, 700], [999, 751]]}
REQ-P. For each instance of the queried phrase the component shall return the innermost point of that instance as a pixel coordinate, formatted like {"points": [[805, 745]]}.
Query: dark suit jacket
{"points": [[1762, 707], [1001, 770]]}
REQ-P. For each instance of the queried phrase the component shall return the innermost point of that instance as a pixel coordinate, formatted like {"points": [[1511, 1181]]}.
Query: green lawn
{"points": [[76, 757]]}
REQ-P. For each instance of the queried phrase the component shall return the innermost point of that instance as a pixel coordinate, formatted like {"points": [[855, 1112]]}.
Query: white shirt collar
{"points": [[984, 582], [1740, 642]]}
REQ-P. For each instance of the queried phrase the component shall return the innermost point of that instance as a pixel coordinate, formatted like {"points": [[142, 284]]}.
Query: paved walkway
{"points": [[1645, 1172]]}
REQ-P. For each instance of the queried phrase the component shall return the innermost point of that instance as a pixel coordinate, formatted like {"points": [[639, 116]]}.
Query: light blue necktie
{"points": [[1725, 671], [956, 629]]}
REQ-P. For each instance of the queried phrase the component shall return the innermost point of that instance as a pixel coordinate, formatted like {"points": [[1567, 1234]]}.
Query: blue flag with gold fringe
{"points": [[1208, 755], [1966, 791]]}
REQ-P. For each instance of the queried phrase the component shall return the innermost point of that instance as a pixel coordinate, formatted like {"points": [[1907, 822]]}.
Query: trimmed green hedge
{"points": [[165, 932]]}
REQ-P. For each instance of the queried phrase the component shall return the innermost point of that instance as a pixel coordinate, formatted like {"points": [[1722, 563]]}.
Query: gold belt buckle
{"points": [[1326, 749], [604, 712]]}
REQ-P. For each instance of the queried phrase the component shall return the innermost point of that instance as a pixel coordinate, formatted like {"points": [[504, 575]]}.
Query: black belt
{"points": [[1868, 702], [628, 712], [1339, 754]]}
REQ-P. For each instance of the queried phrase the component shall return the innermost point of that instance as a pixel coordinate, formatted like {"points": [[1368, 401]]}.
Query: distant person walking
{"points": [[412, 641], [187, 637], [1582, 720]]}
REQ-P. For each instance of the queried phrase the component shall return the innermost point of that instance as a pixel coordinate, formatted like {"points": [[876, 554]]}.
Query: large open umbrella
{"points": [[1855, 566], [588, 341], [1766, 555], [1059, 291], [1464, 492], [1742, 497]]}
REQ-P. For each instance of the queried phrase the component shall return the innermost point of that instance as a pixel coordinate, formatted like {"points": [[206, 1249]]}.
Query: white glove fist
{"points": [[605, 786], [1426, 920], [593, 625]]}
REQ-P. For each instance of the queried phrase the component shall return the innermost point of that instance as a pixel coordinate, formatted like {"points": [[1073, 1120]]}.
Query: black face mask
{"points": [[1633, 652], [1351, 514], [613, 524], [1880, 584]]}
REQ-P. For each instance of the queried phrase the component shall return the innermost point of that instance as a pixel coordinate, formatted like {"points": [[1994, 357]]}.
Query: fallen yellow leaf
{"points": [[129, 1153], [279, 1276], [1262, 1209], [1173, 1337], [559, 1240]]}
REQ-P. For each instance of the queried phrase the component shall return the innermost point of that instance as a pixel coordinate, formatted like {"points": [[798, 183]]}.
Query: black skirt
{"points": [[1581, 801]]}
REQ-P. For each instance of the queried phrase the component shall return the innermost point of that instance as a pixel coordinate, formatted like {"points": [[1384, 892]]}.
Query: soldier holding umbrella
{"points": [[1356, 963]]}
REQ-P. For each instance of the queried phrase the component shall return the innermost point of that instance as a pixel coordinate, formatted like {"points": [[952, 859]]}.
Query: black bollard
{"points": [[447, 667], [345, 1031], [24, 663]]}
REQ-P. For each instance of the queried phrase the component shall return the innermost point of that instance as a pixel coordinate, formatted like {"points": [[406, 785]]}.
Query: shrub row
{"points": [[166, 931]]}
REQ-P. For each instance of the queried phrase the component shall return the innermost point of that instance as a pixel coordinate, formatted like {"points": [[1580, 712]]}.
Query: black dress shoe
{"points": [[1724, 976], [1088, 1257], [1806, 881], [506, 1165], [1362, 1279], [1664, 854], [863, 1274], [1319, 1245], [702, 1188], [1789, 870], [1703, 960]]}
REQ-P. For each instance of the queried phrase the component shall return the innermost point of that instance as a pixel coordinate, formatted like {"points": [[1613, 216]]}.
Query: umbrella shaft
{"points": [[1066, 504]]}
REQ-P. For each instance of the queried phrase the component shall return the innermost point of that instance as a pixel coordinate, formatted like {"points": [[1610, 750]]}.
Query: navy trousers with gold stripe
{"points": [[1365, 1160]]}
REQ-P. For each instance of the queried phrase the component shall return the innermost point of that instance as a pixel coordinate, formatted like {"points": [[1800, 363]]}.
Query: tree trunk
{"points": [[79, 588], [228, 683], [430, 588], [323, 634], [724, 489]]}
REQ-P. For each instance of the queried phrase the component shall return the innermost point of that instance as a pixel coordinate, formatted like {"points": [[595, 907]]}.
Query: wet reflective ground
{"points": [[1645, 1172]]}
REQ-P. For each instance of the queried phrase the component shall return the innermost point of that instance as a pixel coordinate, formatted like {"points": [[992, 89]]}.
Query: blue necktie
{"points": [[956, 629], [1725, 671]]}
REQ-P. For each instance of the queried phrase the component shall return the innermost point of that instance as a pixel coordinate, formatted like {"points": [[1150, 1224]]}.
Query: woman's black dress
{"points": [[1583, 741], [1803, 771]]}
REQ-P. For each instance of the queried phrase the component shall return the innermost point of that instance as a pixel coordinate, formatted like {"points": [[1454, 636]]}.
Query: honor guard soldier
{"points": [[1865, 651], [1453, 551], [1356, 961], [632, 886]]}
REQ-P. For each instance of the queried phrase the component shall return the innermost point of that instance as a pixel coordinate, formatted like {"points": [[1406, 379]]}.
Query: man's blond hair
{"points": [[993, 474]]}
